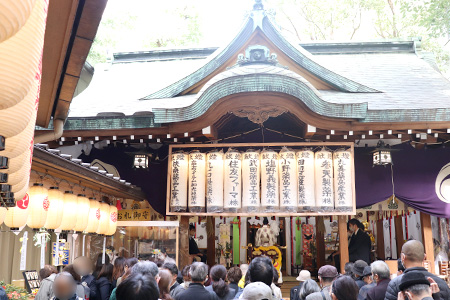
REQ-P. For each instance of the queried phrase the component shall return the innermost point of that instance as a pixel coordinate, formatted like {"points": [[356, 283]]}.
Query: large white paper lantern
{"points": [[343, 180], [2, 214], [214, 181], [112, 220], [305, 178], [179, 182], [16, 163], [232, 185], [288, 180], [17, 216], [19, 143], [83, 207], [94, 216], [103, 224], [14, 15], [21, 55], [197, 181], [270, 201], [251, 170], [69, 212], [55, 209], [38, 206], [324, 180], [19, 194]]}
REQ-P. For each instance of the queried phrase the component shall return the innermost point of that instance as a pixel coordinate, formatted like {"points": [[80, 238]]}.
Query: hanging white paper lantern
{"points": [[16, 163], [306, 187], [19, 194], [20, 176], [214, 181], [288, 180], [103, 224], [17, 216], [19, 143], [38, 206], [324, 180], [197, 181], [83, 207], [2, 214], [69, 212], [94, 216], [270, 201], [179, 182], [14, 15], [21, 55], [343, 180], [232, 185], [112, 220], [55, 209], [251, 170]]}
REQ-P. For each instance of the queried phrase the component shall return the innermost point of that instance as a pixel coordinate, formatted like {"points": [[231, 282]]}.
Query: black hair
{"points": [[356, 222], [171, 267], [400, 266], [275, 275], [348, 268], [234, 275], [345, 288], [265, 221], [191, 227], [131, 262], [99, 265], [137, 287], [106, 271], [261, 269], [218, 276]]}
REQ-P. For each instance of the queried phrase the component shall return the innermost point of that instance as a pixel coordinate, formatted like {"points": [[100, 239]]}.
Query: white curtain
{"points": [[393, 239], [414, 226], [387, 238]]}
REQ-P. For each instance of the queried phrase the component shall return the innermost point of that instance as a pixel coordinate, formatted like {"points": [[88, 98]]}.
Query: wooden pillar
{"points": [[211, 242], [427, 239], [380, 240], [399, 234], [183, 251], [320, 242], [343, 241]]}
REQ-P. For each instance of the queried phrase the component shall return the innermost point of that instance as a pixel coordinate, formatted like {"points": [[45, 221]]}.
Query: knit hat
{"points": [[304, 275], [328, 271], [367, 271], [257, 291], [412, 278], [358, 267]]}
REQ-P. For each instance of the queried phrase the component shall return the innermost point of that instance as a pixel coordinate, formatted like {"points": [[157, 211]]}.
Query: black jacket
{"points": [[295, 291], [378, 291], [92, 284], [104, 287], [393, 289], [196, 291], [193, 247], [359, 247]]}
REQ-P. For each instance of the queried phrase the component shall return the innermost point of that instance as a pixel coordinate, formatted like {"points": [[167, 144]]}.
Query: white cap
{"points": [[257, 291], [304, 275]]}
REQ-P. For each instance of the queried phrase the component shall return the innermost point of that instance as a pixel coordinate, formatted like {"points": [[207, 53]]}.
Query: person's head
{"points": [[119, 267], [354, 224], [82, 265], [265, 221], [198, 272], [173, 269], [415, 285], [413, 254], [257, 291], [218, 275], [185, 273], [309, 286], [326, 275], [344, 288], [106, 271], [46, 271], [234, 275], [380, 270], [137, 287], [64, 286], [400, 267], [191, 230], [367, 275], [71, 270], [303, 275], [358, 268], [164, 283], [99, 264], [275, 275], [261, 269], [146, 268], [348, 269], [129, 263]]}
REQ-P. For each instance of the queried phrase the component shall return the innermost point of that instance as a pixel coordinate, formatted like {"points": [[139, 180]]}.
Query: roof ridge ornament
{"points": [[257, 54], [258, 5]]}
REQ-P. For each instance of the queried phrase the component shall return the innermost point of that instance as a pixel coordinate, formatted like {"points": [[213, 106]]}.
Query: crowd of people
{"points": [[130, 279]]}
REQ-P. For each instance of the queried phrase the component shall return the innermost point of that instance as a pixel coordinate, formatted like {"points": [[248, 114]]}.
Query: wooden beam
{"points": [[310, 131], [343, 241], [399, 234], [320, 243], [427, 239], [380, 240], [183, 251], [211, 242]]}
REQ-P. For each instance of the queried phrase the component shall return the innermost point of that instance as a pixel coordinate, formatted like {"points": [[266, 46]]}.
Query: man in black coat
{"points": [[413, 255], [193, 247], [360, 245], [196, 290]]}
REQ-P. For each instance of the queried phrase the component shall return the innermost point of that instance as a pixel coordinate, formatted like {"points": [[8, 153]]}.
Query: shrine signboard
{"points": [[134, 215], [283, 179]]}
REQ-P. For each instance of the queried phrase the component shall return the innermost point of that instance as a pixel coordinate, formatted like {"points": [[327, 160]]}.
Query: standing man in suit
{"points": [[360, 245], [193, 247]]}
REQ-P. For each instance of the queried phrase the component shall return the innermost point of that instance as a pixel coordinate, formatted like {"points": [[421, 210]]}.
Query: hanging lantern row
{"points": [[262, 181], [54, 210], [22, 29]]}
